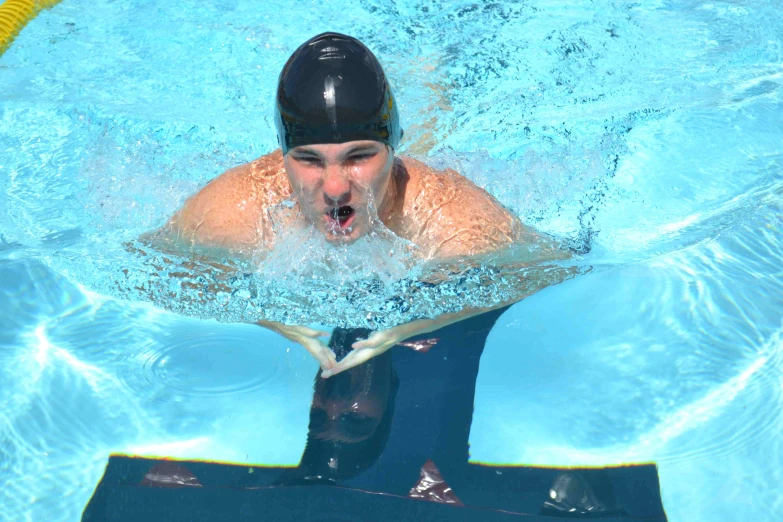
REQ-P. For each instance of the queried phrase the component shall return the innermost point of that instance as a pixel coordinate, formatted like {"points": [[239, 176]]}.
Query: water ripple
{"points": [[747, 399], [201, 363]]}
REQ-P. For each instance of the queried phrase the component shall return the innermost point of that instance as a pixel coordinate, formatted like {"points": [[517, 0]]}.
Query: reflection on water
{"points": [[350, 417], [397, 425], [684, 371]]}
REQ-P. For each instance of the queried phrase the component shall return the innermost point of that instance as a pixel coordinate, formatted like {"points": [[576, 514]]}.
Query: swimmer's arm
{"points": [[380, 341]]}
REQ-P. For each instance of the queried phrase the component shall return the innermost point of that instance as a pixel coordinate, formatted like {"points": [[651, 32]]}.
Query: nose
{"points": [[336, 187]]}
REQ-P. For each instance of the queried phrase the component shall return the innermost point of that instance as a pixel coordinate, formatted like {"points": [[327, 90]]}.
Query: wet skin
{"points": [[343, 190], [441, 212]]}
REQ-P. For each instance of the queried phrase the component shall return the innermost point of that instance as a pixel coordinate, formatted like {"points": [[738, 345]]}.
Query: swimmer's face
{"points": [[341, 187], [349, 407]]}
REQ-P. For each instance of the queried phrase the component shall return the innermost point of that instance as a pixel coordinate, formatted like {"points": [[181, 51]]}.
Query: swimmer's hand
{"points": [[380, 341], [377, 343], [307, 337]]}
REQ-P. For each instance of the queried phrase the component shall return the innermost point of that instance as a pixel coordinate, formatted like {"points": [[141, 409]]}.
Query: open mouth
{"points": [[341, 217]]}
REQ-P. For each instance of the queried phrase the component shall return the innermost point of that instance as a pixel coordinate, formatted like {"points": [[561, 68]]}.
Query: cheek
{"points": [[304, 180], [372, 177]]}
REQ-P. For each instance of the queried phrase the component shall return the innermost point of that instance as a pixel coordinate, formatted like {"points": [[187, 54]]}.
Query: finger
{"points": [[332, 357], [371, 342], [323, 361], [312, 332], [322, 355], [349, 361]]}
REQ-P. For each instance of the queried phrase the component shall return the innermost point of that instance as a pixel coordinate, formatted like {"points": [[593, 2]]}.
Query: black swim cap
{"points": [[333, 90]]}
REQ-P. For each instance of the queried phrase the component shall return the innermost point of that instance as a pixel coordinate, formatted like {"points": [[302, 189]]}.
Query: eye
{"points": [[358, 158], [358, 424], [308, 160]]}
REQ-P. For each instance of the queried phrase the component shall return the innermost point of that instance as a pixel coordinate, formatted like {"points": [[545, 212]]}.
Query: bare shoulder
{"points": [[450, 216], [230, 210]]}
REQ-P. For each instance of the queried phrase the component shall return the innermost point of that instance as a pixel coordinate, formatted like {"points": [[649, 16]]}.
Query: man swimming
{"points": [[338, 129]]}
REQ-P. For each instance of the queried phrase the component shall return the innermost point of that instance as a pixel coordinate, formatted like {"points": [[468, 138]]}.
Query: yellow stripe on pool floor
{"points": [[15, 14]]}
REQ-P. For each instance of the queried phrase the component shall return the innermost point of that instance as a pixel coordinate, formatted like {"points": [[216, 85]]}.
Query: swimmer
{"points": [[338, 129]]}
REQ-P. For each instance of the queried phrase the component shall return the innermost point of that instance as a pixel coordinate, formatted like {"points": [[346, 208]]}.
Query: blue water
{"points": [[652, 131]]}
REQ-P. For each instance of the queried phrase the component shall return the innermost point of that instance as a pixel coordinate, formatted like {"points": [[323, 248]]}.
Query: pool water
{"points": [[648, 135]]}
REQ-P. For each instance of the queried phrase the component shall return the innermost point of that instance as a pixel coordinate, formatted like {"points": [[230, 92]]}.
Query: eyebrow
{"points": [[305, 151], [360, 149], [358, 423], [366, 148]]}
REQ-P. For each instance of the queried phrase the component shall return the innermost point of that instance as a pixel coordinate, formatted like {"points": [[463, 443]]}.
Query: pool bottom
{"points": [[135, 489]]}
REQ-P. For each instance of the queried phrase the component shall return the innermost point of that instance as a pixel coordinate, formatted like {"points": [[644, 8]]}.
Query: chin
{"points": [[343, 239]]}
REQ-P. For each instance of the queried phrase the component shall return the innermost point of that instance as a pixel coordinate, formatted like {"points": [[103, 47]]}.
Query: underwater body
{"points": [[646, 135]]}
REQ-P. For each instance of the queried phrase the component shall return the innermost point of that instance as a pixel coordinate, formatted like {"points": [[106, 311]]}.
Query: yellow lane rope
{"points": [[14, 15]]}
